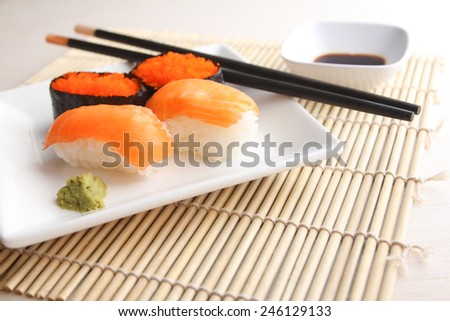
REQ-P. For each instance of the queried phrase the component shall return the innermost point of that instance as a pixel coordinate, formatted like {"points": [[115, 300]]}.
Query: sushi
{"points": [[75, 89], [129, 138], [208, 111], [157, 71]]}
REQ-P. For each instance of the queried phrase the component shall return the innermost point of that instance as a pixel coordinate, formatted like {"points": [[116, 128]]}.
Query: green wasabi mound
{"points": [[82, 193]]}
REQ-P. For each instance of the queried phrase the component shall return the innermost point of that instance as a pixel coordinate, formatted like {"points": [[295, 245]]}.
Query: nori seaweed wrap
{"points": [[75, 89], [157, 71]]}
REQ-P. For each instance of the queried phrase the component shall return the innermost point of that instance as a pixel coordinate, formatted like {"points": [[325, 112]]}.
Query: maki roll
{"points": [[75, 89], [157, 71]]}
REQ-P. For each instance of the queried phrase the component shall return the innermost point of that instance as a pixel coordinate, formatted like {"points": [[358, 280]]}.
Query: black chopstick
{"points": [[250, 68], [325, 97], [249, 80]]}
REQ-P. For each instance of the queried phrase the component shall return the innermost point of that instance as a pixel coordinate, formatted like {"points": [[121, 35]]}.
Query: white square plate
{"points": [[31, 176]]}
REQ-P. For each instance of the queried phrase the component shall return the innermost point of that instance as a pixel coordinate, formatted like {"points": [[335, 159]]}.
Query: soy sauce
{"points": [[351, 59]]}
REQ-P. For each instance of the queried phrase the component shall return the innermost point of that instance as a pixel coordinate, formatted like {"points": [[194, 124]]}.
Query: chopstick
{"points": [[247, 67], [260, 82]]}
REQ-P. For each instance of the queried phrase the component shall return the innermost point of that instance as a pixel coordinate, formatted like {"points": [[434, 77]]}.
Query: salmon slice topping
{"points": [[205, 100], [125, 127]]}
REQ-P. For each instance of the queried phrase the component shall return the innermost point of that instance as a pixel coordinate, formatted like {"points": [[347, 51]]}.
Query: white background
{"points": [[25, 23]]}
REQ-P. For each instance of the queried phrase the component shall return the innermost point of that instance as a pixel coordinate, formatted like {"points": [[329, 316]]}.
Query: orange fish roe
{"points": [[97, 84], [160, 70]]}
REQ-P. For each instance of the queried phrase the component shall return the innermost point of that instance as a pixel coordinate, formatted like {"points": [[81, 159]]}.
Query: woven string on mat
{"points": [[318, 233]]}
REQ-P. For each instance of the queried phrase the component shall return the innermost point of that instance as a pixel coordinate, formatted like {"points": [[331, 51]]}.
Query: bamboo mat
{"points": [[310, 233]]}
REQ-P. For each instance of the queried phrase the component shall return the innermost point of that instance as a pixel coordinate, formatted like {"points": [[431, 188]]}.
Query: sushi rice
{"points": [[207, 136], [89, 153]]}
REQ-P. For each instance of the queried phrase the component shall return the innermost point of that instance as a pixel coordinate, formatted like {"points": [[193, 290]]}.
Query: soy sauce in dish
{"points": [[351, 59]]}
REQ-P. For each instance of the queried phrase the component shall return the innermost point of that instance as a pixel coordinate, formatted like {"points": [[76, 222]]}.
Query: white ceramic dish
{"points": [[308, 41], [31, 176]]}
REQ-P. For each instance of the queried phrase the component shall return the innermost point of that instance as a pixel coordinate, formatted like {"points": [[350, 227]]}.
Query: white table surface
{"points": [[25, 23]]}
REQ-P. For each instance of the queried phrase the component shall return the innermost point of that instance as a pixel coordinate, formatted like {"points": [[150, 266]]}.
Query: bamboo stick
{"points": [[159, 246], [173, 242], [371, 243], [14, 261], [207, 234], [350, 210], [223, 237], [132, 241], [50, 246], [371, 186], [321, 200], [93, 273], [389, 223], [263, 238], [349, 253], [44, 267], [242, 250], [380, 255], [138, 251], [234, 225], [76, 272], [264, 284], [379, 214], [391, 269], [359, 241], [91, 240], [8, 259], [289, 211], [349, 215], [235, 247], [337, 216], [189, 241], [415, 141], [356, 215], [303, 181], [131, 252], [195, 273], [4, 253]]}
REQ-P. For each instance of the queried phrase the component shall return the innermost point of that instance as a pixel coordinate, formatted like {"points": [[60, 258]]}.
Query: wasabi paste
{"points": [[82, 193]]}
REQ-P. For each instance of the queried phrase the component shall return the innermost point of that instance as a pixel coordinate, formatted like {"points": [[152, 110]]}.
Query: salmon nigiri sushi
{"points": [[208, 111], [124, 137]]}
